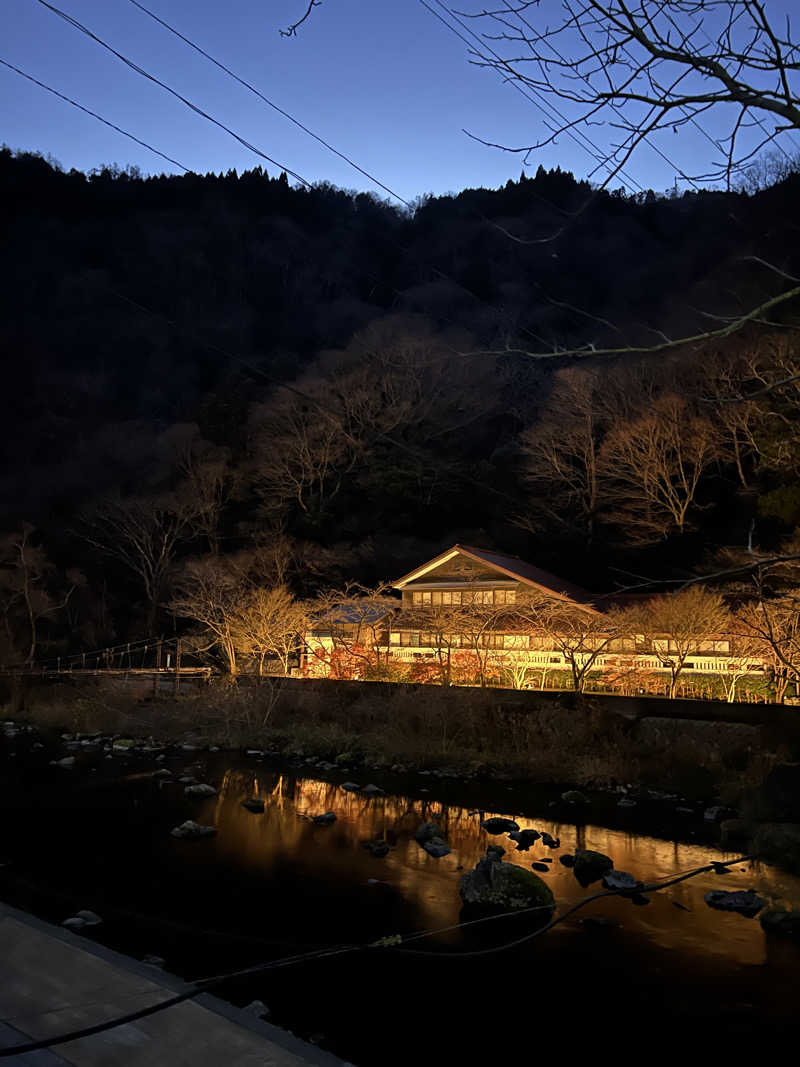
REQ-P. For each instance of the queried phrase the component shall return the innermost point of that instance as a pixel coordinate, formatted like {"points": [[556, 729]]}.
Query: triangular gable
{"points": [[507, 566]]}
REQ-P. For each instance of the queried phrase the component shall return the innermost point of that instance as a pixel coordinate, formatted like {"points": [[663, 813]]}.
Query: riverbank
{"points": [[701, 751]]}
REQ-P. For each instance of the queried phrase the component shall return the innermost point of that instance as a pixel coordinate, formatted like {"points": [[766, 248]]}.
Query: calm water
{"points": [[270, 884]]}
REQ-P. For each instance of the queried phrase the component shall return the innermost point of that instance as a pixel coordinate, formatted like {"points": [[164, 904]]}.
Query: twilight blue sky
{"points": [[382, 80]]}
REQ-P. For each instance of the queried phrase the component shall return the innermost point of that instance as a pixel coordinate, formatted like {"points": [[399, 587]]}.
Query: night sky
{"points": [[384, 81]]}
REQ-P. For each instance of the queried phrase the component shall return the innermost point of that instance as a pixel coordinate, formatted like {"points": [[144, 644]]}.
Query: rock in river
{"points": [[499, 825], [351, 787], [620, 880], [524, 838], [427, 831], [782, 922], [590, 866], [572, 796], [436, 848], [744, 901], [494, 886], [325, 819], [372, 791], [201, 790], [192, 831], [254, 804]]}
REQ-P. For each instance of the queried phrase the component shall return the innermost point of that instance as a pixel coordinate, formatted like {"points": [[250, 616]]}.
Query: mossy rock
{"points": [[496, 887], [782, 922], [778, 843], [590, 866]]}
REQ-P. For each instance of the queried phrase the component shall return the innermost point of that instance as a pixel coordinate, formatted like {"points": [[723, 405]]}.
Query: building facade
{"points": [[471, 616]]}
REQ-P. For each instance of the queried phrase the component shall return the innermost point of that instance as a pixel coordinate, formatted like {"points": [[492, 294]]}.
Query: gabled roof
{"points": [[508, 566]]}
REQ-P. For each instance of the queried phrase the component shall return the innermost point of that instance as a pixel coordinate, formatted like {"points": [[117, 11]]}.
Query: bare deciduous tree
{"points": [[26, 589], [655, 464], [772, 624], [644, 66], [210, 592], [678, 625], [143, 534], [581, 634], [269, 623], [561, 453]]}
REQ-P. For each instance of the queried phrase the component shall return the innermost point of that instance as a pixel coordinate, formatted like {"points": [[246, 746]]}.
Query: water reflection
{"points": [[330, 864]]}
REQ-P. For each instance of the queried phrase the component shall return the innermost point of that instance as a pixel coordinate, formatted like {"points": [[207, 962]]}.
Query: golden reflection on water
{"points": [[284, 837]]}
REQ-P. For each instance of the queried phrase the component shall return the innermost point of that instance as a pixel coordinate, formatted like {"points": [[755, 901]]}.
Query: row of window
{"points": [[408, 638], [431, 639], [450, 597]]}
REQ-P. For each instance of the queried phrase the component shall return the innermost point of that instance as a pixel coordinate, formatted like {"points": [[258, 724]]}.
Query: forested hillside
{"points": [[223, 372]]}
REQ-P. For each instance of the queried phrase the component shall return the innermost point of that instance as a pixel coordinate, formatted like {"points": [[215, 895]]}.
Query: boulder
{"points": [[550, 842], [537, 866], [325, 819], [82, 919], [779, 843], [201, 790], [436, 848], [524, 838], [718, 813], [351, 787], [192, 831], [499, 825], [780, 793], [744, 901], [620, 880], [590, 866], [379, 849], [427, 831], [258, 1009], [572, 796], [567, 859], [781, 921], [67, 763], [89, 917], [496, 851], [373, 791], [494, 886], [254, 804]]}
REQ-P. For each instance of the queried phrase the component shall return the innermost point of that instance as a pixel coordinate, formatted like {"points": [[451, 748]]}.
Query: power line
{"points": [[529, 93], [391, 944], [270, 103], [173, 92], [586, 80], [93, 114]]}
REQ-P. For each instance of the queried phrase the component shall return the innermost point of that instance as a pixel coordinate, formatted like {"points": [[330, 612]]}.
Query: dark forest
{"points": [[313, 386]]}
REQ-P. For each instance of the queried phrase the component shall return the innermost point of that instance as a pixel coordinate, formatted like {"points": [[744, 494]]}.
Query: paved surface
{"points": [[53, 981]]}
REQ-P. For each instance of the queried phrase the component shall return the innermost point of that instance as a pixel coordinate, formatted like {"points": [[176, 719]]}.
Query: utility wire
{"points": [[173, 92], [391, 944], [93, 114], [270, 103], [578, 136], [586, 80]]}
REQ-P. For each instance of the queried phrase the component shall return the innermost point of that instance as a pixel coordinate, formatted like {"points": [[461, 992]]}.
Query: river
{"points": [[274, 883]]}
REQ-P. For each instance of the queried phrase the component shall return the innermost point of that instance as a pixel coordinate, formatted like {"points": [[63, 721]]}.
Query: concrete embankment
{"points": [[55, 982]]}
